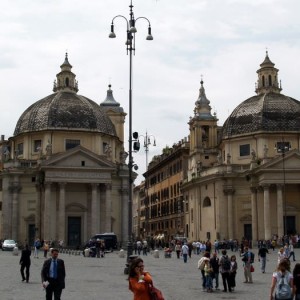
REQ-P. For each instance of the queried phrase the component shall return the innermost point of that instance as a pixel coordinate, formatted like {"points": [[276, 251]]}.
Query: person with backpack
{"points": [[225, 266], [201, 264], [282, 282], [248, 259]]}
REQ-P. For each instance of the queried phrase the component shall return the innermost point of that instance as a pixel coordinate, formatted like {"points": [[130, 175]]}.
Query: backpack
{"points": [[252, 257], [226, 264], [201, 263], [283, 289]]}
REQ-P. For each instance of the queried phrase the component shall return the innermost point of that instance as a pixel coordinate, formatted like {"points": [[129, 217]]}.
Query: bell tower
{"points": [[203, 134]]}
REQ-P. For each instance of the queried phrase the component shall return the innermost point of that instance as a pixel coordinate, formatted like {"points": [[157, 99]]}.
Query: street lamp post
{"points": [[147, 143], [130, 48]]}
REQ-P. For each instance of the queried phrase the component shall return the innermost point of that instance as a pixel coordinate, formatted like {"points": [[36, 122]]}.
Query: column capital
{"points": [[228, 191], [279, 186], [254, 189], [265, 187], [108, 186]]}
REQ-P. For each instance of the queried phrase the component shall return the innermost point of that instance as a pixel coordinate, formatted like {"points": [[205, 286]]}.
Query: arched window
{"points": [[270, 80], [263, 81], [192, 215], [206, 202], [67, 81]]}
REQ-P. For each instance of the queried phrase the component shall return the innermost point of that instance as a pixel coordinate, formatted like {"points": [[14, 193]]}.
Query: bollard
{"points": [[121, 253], [15, 251], [156, 254]]}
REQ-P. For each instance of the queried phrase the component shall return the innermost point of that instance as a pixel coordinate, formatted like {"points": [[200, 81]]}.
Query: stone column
{"points": [[94, 208], [280, 225], [230, 215], [254, 213], [38, 210], [6, 209], [267, 218], [62, 211], [47, 212], [108, 208], [229, 192], [15, 189]]}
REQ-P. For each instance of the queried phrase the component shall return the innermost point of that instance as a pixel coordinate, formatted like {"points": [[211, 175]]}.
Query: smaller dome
{"points": [[110, 102]]}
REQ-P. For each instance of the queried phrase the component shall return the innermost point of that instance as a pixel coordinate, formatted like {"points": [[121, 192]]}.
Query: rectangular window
{"points": [[245, 150], [20, 149], [282, 147], [104, 147], [37, 145], [72, 144]]}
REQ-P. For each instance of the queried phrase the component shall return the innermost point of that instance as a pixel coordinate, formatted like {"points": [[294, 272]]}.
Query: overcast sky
{"points": [[223, 40]]}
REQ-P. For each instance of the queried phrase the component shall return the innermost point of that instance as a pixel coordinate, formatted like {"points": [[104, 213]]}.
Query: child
{"points": [[208, 278]]}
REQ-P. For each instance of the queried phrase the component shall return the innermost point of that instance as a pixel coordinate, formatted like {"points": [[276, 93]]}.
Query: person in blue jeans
{"points": [[185, 252], [207, 273]]}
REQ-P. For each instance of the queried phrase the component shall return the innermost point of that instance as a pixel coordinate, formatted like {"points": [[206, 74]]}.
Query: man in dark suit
{"points": [[25, 263], [53, 276]]}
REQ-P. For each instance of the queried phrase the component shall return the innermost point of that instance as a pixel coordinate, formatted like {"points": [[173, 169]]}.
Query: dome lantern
{"points": [[267, 77], [65, 79]]}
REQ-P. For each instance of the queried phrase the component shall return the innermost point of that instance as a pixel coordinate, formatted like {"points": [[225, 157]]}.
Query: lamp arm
{"points": [[120, 16]]}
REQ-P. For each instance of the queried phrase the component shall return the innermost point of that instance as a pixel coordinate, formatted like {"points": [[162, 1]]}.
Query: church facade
{"points": [[63, 172], [244, 178]]}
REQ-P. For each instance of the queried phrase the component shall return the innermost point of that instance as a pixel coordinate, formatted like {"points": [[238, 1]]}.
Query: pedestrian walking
{"points": [[296, 281], [178, 249], [201, 264], [282, 282], [46, 248], [207, 273], [225, 266], [25, 263], [292, 252], [53, 276], [185, 252], [281, 255], [232, 272], [139, 280], [246, 258], [262, 257], [214, 262], [37, 246]]}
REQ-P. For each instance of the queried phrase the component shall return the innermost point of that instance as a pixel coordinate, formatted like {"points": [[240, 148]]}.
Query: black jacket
{"points": [[25, 257], [61, 272]]}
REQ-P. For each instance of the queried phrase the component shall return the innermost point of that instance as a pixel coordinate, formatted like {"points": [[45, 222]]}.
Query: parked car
{"points": [[9, 245]]}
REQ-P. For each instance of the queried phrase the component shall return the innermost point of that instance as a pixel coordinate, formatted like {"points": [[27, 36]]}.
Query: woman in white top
{"points": [[282, 272], [281, 255]]}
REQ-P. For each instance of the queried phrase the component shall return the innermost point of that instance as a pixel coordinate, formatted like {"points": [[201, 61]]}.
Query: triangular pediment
{"points": [[78, 157], [280, 169], [290, 160]]}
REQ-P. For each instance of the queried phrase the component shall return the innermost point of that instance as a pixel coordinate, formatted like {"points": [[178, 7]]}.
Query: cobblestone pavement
{"points": [[103, 278]]}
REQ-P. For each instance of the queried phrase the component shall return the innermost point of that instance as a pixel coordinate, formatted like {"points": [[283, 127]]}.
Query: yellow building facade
{"points": [[63, 172]]}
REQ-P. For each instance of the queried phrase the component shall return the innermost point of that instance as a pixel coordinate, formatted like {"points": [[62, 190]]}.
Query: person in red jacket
{"points": [[139, 280]]}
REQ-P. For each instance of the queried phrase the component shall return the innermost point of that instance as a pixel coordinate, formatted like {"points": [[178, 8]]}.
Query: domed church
{"points": [[63, 173], [244, 177]]}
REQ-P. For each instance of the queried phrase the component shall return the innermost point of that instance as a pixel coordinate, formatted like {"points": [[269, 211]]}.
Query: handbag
{"points": [[251, 269], [155, 293]]}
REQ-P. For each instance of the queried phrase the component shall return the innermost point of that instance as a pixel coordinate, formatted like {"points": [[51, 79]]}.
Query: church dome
{"points": [[268, 111], [65, 110]]}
